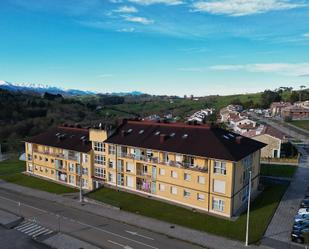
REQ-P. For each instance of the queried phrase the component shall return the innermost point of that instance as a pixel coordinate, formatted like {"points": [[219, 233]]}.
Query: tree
{"points": [[294, 97], [268, 97]]}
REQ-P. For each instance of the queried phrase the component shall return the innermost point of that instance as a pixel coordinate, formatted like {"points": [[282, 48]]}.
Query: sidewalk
{"points": [[278, 233], [178, 232]]}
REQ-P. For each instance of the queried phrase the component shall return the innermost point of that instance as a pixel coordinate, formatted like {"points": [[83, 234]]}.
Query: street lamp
{"points": [[248, 210]]}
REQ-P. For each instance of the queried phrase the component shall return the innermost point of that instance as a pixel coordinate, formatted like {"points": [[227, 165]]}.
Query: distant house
{"points": [[274, 140], [229, 110], [200, 116], [298, 111], [276, 108]]}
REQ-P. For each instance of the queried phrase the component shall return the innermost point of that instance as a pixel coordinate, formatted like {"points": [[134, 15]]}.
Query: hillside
{"points": [[27, 114]]}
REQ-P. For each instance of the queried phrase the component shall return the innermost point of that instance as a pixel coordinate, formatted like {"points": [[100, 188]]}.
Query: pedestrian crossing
{"points": [[31, 228]]}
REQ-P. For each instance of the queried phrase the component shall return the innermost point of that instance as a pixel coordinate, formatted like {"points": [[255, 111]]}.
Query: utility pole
{"points": [[80, 179], [248, 210]]}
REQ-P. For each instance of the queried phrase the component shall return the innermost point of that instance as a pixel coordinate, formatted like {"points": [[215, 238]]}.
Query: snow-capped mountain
{"points": [[40, 88]]}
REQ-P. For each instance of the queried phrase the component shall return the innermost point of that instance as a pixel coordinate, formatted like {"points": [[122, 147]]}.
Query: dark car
{"points": [[304, 224], [305, 203], [298, 235]]}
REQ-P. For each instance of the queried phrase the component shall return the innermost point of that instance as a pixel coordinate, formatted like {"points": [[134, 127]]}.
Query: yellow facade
{"points": [[63, 166], [205, 184]]}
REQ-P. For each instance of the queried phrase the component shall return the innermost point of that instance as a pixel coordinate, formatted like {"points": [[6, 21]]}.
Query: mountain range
{"points": [[41, 88]]}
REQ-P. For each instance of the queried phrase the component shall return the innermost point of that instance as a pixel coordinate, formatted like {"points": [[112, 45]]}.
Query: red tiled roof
{"points": [[204, 141], [76, 139]]}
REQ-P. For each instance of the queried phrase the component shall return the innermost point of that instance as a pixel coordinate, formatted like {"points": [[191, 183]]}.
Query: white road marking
{"points": [[140, 235], [82, 223], [121, 245]]}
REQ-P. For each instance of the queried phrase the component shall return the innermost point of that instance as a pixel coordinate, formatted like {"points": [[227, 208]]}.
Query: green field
{"points": [[10, 171], [304, 124], [278, 170], [263, 209]]}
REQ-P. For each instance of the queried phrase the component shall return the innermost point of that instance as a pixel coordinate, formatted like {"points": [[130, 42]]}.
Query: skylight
{"points": [[157, 133], [185, 136], [141, 131], [130, 130], [226, 137], [231, 135], [172, 134]]}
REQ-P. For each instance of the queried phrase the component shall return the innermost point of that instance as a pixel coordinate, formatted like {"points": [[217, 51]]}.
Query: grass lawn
{"points": [[10, 171], [304, 124], [263, 209], [278, 170]]}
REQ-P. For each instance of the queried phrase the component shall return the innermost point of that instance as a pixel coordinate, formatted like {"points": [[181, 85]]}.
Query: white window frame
{"points": [[218, 205], [220, 168], [161, 172], [174, 174], [200, 181], [200, 197], [186, 193], [187, 176], [161, 187], [174, 190]]}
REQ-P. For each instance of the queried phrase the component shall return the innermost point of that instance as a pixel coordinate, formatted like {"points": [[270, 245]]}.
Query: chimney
{"points": [[123, 133], [163, 137], [238, 139]]}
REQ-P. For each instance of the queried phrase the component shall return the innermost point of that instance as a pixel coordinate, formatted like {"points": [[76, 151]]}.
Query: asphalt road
{"points": [[98, 230], [12, 239]]}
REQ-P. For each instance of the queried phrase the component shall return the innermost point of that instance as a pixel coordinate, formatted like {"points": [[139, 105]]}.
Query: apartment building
{"points": [[63, 155], [201, 167]]}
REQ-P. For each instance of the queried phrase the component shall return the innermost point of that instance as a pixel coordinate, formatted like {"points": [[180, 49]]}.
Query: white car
{"points": [[303, 211]]}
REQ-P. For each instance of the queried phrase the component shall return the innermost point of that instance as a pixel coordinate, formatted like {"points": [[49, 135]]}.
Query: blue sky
{"points": [[156, 46]]}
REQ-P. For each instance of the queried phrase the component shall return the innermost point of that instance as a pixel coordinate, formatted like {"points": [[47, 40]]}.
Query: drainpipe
{"points": [[209, 173]]}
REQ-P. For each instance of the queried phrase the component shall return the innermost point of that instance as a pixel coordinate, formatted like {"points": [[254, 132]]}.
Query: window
{"points": [[219, 186], [71, 167], [52, 160], [29, 157], [245, 194], [174, 174], [71, 179], [99, 159], [130, 167], [111, 177], [111, 149], [46, 170], [35, 157], [84, 183], [52, 172], [129, 181], [46, 159], [186, 193], [162, 172], [173, 190], [201, 179], [218, 205], [40, 158], [200, 197], [85, 158], [111, 163], [161, 187], [99, 172], [85, 171], [145, 169], [220, 168], [97, 146], [187, 177]]}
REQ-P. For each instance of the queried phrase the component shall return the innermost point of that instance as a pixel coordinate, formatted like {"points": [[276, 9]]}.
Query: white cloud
{"points": [[138, 19], [287, 69], [306, 35], [149, 2], [126, 30], [244, 7], [126, 9]]}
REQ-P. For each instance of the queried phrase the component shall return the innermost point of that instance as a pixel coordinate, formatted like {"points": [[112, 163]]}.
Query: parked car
{"points": [[303, 211], [305, 203], [298, 235], [301, 225], [300, 217]]}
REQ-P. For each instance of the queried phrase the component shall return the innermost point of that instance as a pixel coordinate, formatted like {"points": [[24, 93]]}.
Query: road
{"points": [[12, 239], [98, 230], [284, 127]]}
